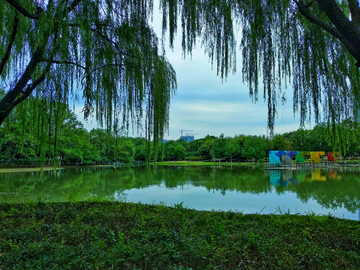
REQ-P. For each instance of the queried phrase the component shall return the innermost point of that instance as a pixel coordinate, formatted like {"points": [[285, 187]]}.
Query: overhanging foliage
{"points": [[108, 49], [104, 49]]}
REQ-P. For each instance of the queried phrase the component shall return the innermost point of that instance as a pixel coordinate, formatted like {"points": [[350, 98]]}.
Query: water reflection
{"points": [[286, 177], [334, 191]]}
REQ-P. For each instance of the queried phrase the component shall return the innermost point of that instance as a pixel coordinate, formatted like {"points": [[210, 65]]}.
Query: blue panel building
{"points": [[187, 138]]}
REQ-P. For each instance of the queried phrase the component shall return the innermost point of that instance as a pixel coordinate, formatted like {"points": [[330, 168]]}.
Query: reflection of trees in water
{"points": [[80, 184], [69, 184], [332, 193], [218, 178], [331, 188]]}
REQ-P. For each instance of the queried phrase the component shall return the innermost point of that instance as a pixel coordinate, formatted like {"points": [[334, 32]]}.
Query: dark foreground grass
{"points": [[108, 235]]}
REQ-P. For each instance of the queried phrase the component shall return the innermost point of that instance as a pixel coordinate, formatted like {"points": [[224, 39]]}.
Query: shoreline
{"points": [[264, 165], [205, 163], [24, 169]]}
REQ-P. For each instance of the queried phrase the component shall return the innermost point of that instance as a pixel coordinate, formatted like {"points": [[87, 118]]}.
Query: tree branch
{"points": [[343, 29], [104, 66], [22, 82], [113, 43], [22, 89], [303, 8], [13, 97], [23, 11], [31, 87], [63, 63], [11, 42], [342, 23]]}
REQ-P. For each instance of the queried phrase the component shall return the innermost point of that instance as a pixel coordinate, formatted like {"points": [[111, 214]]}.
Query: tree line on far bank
{"points": [[256, 148], [40, 133]]}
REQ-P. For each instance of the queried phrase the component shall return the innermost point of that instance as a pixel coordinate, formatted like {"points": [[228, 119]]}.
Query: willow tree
{"points": [[108, 50], [312, 46], [102, 51]]}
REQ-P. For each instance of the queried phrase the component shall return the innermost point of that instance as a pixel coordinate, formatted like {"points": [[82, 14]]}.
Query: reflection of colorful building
{"points": [[297, 178], [275, 179], [316, 175], [279, 177], [301, 177], [333, 175]]}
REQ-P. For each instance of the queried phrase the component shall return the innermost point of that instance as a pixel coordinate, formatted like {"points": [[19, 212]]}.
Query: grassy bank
{"points": [[205, 163], [47, 168], [165, 163], [28, 169], [108, 235]]}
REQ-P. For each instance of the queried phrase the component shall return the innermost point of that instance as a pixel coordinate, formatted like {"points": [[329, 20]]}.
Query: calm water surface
{"points": [[247, 190]]}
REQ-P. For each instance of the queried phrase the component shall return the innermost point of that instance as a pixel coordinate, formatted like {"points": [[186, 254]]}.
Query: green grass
{"points": [[115, 235], [165, 163], [28, 169], [204, 163], [46, 168]]}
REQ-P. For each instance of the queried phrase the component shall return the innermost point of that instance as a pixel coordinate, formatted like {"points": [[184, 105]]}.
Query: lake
{"points": [[241, 189]]}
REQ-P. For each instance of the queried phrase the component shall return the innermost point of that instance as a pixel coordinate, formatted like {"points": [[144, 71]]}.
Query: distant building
{"points": [[187, 138]]}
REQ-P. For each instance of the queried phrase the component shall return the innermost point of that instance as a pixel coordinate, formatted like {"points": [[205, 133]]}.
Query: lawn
{"points": [[46, 168], [204, 163], [116, 235]]}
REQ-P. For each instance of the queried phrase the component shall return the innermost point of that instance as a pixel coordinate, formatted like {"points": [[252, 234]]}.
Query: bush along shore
{"points": [[116, 235]]}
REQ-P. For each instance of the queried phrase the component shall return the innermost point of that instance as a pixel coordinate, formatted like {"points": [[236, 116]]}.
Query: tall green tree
{"points": [[140, 149], [206, 148], [102, 141], [179, 152], [219, 147], [125, 152], [278, 142], [254, 148], [193, 147], [232, 148]]}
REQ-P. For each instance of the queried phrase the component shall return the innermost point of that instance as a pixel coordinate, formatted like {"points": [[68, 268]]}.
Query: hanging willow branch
{"points": [[108, 50]]}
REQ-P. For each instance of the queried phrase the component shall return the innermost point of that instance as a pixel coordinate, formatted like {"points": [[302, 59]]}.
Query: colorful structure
{"points": [[291, 154], [315, 156], [331, 156], [300, 157], [286, 160], [274, 157], [282, 157]]}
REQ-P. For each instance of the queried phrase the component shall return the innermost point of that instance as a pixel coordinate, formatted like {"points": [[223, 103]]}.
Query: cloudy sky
{"points": [[206, 105]]}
